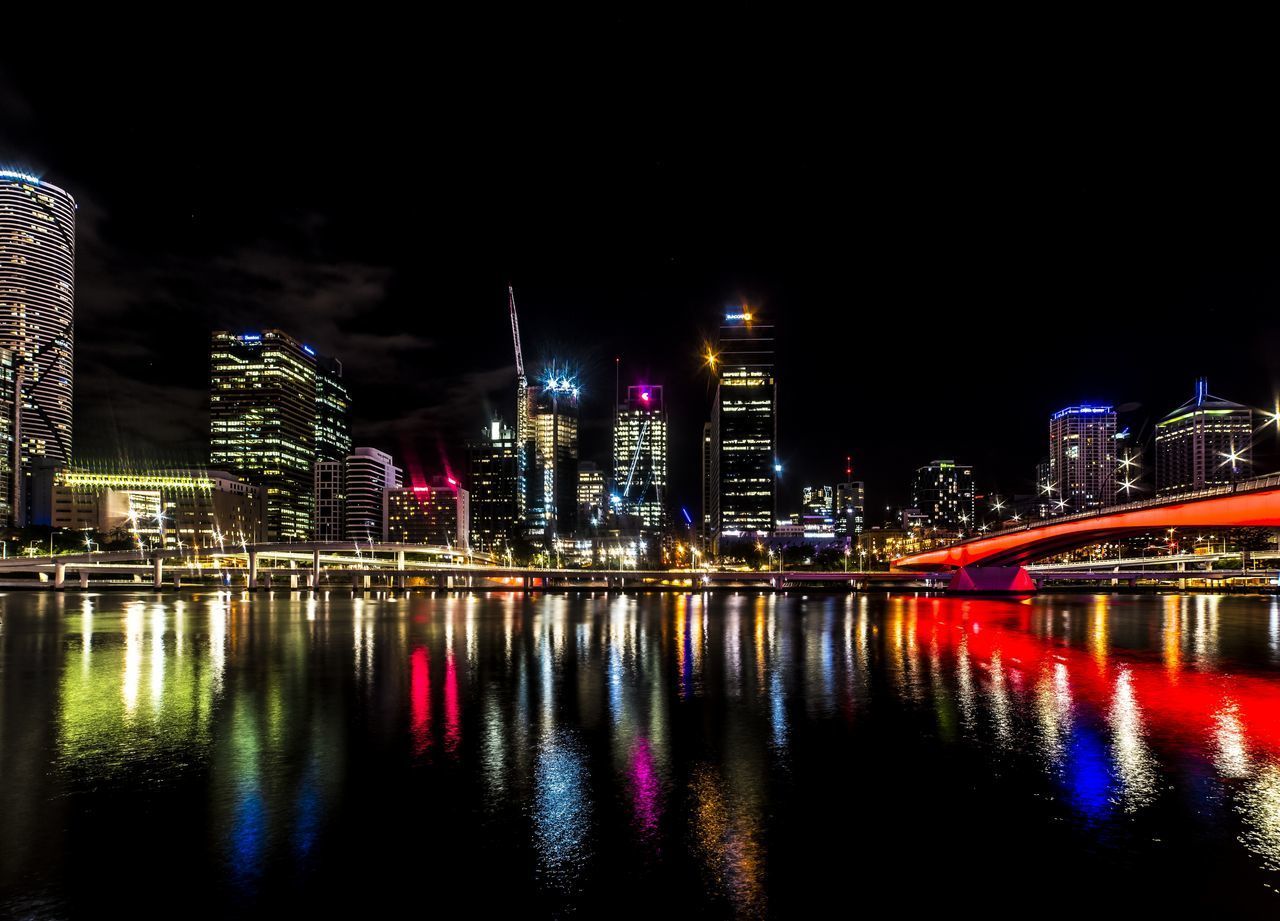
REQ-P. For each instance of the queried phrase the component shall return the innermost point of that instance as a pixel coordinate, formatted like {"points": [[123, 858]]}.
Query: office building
{"points": [[434, 513], [333, 409], [1205, 442], [329, 521], [849, 519], [37, 316], [591, 496], [493, 477], [1082, 458], [744, 428], [640, 455], [942, 492], [552, 472], [201, 509], [10, 465], [705, 508], [367, 474], [263, 422], [818, 501]]}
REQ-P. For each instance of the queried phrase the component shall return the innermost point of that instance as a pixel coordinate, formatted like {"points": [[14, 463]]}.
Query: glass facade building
{"points": [[744, 429], [551, 475], [1205, 442], [262, 418], [494, 481], [333, 409], [37, 312], [640, 455]]}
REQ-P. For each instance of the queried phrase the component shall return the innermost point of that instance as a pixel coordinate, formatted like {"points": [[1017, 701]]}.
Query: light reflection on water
{"points": [[697, 746]]}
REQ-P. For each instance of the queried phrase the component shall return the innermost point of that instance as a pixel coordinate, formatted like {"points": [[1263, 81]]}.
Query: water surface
{"points": [[587, 755]]}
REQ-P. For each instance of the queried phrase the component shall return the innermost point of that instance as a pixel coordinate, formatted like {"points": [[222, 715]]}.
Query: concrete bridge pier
{"points": [[177, 581], [315, 570], [84, 579], [253, 570], [1182, 583], [59, 575], [157, 573], [991, 580]]}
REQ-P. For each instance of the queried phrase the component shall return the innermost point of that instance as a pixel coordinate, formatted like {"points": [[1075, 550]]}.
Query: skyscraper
{"points": [[494, 480], [744, 428], [1082, 457], [591, 495], [818, 500], [262, 422], [640, 455], [850, 511], [706, 529], [1205, 442], [37, 312], [552, 474], [333, 405], [942, 491], [368, 474]]}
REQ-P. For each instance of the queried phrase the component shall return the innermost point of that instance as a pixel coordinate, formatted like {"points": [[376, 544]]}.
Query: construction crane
{"points": [[522, 382]]}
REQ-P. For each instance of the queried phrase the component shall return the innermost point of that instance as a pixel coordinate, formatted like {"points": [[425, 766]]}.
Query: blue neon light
{"points": [[687, 518], [1081, 409], [14, 174], [309, 350], [250, 337]]}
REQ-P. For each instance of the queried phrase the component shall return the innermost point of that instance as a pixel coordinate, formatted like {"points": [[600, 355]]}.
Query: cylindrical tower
{"points": [[37, 309]]}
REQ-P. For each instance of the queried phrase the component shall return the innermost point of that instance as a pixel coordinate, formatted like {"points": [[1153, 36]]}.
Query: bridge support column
{"points": [[991, 580], [356, 581], [1182, 583], [399, 559], [253, 570], [177, 581], [59, 575], [157, 573], [84, 579]]}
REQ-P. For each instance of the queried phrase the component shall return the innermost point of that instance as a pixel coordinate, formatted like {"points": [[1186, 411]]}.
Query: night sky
{"points": [[945, 265]]}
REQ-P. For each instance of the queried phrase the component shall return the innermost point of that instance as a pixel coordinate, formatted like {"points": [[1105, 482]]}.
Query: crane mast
{"points": [[522, 382]]}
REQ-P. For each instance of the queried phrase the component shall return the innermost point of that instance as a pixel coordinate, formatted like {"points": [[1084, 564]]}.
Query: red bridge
{"points": [[1249, 503]]}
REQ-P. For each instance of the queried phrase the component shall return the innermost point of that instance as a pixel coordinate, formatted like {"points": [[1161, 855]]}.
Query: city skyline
{"points": [[307, 262]]}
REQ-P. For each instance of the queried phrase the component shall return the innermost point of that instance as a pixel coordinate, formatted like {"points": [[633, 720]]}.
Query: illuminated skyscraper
{"points": [[640, 455], [1082, 457], [494, 483], [263, 402], [591, 495], [37, 310], [1205, 442], [552, 474], [367, 474], [942, 491], [818, 500], [744, 429], [850, 510]]}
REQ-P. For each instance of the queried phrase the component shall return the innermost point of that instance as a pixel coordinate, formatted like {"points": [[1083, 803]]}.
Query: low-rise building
{"points": [[198, 508]]}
